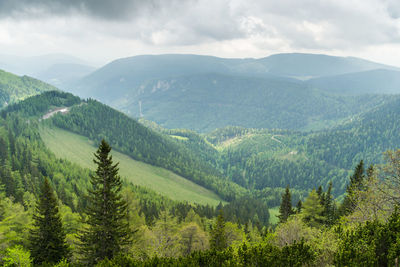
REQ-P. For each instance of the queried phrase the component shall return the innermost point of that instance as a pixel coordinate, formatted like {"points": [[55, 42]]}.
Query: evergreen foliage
{"points": [[329, 205], [98, 121], [285, 210], [356, 184], [177, 234], [299, 206], [108, 229], [14, 88], [47, 238], [371, 244], [218, 239]]}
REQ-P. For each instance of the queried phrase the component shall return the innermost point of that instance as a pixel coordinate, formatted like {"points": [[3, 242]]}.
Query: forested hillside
{"points": [[203, 93], [366, 137], [257, 163], [378, 81], [79, 149], [206, 102], [262, 159], [26, 162], [98, 121], [14, 88]]}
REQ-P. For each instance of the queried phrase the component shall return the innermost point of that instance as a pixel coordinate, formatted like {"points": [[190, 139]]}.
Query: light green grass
{"points": [[79, 149], [273, 215]]}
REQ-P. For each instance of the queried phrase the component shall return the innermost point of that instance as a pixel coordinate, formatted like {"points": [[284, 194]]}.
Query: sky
{"points": [[99, 31]]}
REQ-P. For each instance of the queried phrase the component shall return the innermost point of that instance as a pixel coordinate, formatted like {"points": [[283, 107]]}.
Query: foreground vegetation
{"points": [[364, 230], [314, 229]]}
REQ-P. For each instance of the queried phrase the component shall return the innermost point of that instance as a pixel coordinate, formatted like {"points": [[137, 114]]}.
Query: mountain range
{"points": [[202, 93], [362, 122]]}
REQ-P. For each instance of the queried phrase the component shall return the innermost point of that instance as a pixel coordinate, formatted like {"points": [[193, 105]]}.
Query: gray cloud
{"points": [[259, 24], [103, 9]]}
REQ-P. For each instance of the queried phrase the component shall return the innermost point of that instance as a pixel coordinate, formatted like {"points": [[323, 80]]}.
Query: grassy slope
{"points": [[80, 149]]}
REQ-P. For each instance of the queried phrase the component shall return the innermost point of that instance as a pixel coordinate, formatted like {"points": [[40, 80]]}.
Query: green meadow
{"points": [[80, 149]]}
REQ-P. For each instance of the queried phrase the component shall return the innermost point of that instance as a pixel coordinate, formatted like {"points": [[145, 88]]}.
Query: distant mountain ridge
{"points": [[316, 65], [377, 81], [57, 69], [202, 93]]}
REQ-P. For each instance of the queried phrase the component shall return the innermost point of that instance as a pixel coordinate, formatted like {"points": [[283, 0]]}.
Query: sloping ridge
{"points": [[97, 121], [14, 88], [80, 149]]}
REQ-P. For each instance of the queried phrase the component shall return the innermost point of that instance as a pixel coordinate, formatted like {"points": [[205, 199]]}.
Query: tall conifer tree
{"points": [[218, 235], [47, 238], [108, 229], [285, 209], [356, 184], [329, 206]]}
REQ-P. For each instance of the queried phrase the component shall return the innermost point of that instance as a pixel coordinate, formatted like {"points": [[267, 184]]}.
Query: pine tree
{"points": [[329, 206], [47, 238], [320, 192], [108, 229], [299, 206], [218, 235], [370, 171], [356, 184], [285, 209]]}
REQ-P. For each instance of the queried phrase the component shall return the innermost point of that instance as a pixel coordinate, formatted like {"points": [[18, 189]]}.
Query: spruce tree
{"points": [[108, 229], [356, 184], [47, 239], [299, 206], [218, 235], [329, 206], [285, 209]]}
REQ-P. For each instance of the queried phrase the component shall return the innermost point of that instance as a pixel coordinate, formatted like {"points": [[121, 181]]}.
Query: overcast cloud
{"points": [[101, 30]]}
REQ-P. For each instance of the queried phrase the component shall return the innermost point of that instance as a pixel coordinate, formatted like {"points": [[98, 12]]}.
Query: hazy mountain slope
{"points": [[378, 81], [65, 74], [128, 74], [203, 93], [33, 65], [210, 101], [14, 88], [312, 65]]}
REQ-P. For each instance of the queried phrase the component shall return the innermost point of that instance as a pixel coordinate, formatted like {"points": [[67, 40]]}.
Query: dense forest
{"points": [[49, 202]]}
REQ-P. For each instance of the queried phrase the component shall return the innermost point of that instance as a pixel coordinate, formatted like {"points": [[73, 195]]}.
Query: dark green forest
{"points": [[50, 202]]}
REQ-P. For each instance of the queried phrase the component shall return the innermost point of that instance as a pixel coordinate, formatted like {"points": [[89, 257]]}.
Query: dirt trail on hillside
{"points": [[53, 112], [276, 140]]}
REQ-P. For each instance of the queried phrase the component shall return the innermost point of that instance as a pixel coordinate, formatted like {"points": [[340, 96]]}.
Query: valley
{"points": [[249, 146], [199, 133], [79, 150], [203, 93]]}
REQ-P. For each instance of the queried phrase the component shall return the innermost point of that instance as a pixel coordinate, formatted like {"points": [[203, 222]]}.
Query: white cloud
{"points": [[101, 31]]}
